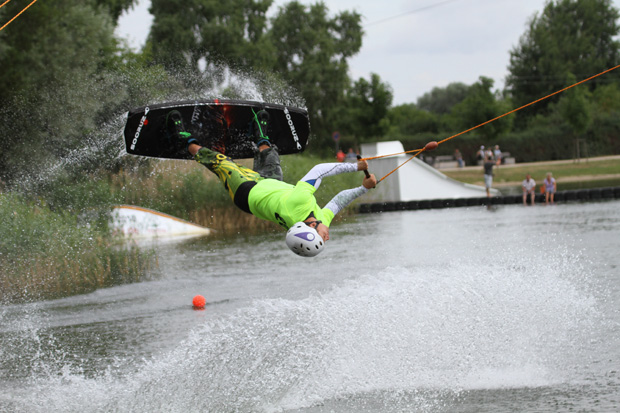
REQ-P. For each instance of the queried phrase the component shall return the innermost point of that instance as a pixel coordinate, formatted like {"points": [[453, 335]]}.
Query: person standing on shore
{"points": [[529, 187], [488, 174], [497, 152], [458, 156], [340, 155]]}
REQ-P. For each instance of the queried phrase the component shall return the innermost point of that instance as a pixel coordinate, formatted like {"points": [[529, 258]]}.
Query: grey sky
{"points": [[415, 45]]}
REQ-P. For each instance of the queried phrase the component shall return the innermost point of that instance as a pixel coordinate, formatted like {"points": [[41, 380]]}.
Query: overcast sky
{"points": [[415, 45]]}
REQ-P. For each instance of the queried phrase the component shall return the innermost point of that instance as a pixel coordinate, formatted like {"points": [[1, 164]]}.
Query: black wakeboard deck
{"points": [[222, 125]]}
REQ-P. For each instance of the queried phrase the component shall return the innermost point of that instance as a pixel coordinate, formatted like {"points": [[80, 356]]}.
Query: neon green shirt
{"points": [[285, 204]]}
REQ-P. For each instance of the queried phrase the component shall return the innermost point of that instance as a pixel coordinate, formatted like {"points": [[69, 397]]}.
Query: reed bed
{"points": [[46, 254], [58, 243], [188, 190]]}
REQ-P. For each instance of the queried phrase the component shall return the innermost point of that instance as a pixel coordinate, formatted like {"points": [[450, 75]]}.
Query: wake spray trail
{"points": [[413, 338], [104, 146]]}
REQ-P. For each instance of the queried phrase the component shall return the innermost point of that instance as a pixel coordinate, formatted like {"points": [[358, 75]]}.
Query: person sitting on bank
{"points": [[550, 188], [262, 193], [529, 188]]}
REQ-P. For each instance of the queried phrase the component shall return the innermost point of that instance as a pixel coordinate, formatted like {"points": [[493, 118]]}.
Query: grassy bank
{"points": [[49, 254], [594, 172]]}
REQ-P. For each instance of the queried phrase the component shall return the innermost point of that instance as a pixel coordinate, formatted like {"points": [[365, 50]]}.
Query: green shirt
{"points": [[285, 204]]}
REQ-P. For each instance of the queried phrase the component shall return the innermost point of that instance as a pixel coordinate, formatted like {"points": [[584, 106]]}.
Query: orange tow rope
{"points": [[432, 145], [17, 15]]}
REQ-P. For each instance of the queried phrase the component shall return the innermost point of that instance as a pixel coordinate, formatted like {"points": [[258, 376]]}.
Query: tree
{"points": [[570, 36], [441, 100], [607, 98], [479, 106], [52, 64], [311, 54], [408, 120], [188, 33], [367, 106], [116, 7], [574, 106]]}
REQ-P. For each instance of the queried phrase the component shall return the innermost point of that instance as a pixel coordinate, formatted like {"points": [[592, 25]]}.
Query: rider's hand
{"points": [[323, 231], [362, 165], [370, 182]]}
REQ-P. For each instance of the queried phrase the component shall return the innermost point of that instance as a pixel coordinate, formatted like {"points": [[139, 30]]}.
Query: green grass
{"points": [[538, 171]]}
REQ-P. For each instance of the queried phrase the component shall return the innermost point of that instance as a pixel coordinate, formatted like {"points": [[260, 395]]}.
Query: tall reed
{"points": [[48, 254], [59, 244], [190, 191]]}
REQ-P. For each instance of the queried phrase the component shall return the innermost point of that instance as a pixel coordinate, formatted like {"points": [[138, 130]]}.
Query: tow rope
{"points": [[433, 144], [17, 15]]}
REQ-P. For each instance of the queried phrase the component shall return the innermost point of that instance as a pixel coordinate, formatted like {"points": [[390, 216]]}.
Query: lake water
{"points": [[456, 310]]}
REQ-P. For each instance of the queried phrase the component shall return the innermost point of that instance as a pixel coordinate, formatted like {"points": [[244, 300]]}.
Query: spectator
{"points": [[480, 154], [529, 187], [488, 174], [340, 155], [488, 154], [550, 188], [351, 156], [498, 155], [458, 156]]}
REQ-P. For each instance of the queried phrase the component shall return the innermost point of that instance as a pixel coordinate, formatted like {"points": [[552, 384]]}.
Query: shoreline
{"points": [[541, 163]]}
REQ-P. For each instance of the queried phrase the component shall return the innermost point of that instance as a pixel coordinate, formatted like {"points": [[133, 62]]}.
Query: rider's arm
{"points": [[344, 198], [323, 170]]}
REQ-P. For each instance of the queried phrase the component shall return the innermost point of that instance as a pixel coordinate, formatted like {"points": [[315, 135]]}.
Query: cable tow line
{"points": [[17, 15], [433, 145]]}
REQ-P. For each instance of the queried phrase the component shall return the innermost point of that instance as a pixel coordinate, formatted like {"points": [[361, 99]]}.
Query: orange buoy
{"points": [[199, 302]]}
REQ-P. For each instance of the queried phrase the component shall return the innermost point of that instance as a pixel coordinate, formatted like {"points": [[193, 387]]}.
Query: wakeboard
{"points": [[222, 125]]}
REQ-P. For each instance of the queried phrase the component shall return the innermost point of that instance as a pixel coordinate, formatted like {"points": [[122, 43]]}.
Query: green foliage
{"points": [[52, 84], [116, 7], [311, 53], [406, 120], [54, 43], [184, 33], [49, 254], [441, 100], [569, 36], [478, 106], [606, 98], [366, 108], [178, 194], [574, 106], [303, 46]]}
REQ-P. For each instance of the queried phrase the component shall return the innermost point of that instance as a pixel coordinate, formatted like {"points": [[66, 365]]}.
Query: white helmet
{"points": [[304, 240]]}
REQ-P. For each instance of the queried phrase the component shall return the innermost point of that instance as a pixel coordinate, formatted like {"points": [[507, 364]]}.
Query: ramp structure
{"points": [[137, 222], [414, 181]]}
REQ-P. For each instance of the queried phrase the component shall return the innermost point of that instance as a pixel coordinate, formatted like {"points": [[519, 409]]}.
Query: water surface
{"points": [[457, 310]]}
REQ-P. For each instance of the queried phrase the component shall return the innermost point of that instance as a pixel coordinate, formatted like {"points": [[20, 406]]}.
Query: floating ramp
{"points": [[137, 222], [414, 181]]}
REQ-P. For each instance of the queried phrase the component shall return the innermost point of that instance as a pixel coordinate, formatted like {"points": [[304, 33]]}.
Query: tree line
{"points": [[65, 75]]}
